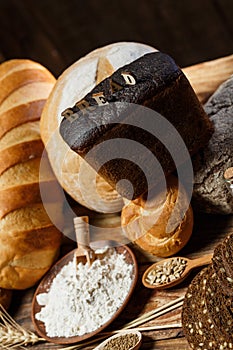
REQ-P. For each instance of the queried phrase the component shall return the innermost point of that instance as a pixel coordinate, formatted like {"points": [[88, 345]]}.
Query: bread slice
{"points": [[22, 262], [21, 185], [26, 94], [218, 308], [21, 196], [20, 114], [16, 79], [20, 144], [14, 65], [25, 132], [227, 253], [26, 173], [31, 218], [225, 280], [198, 331], [19, 153]]}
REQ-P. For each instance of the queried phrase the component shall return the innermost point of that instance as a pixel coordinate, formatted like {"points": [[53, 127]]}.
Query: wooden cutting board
{"points": [[209, 230]]}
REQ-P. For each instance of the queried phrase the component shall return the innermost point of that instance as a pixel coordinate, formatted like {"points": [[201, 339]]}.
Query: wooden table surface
{"points": [[57, 33], [208, 231]]}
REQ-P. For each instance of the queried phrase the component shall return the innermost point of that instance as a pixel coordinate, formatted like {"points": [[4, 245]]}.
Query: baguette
{"points": [[29, 240]]}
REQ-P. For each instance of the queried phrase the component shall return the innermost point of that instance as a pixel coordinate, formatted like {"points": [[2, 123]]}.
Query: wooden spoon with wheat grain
{"points": [[170, 272]]}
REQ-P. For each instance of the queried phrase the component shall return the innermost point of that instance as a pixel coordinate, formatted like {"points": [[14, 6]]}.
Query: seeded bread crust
{"points": [[218, 308], [227, 254], [196, 327], [225, 280]]}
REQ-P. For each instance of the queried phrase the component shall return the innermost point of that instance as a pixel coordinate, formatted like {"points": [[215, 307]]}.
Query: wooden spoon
{"points": [[81, 226], [186, 265], [118, 335]]}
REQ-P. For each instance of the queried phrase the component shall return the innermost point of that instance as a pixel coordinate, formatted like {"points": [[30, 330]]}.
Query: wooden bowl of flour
{"points": [[46, 282]]}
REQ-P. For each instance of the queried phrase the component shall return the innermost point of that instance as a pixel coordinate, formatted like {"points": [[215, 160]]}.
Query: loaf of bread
{"points": [[207, 310], [163, 225], [85, 186], [154, 81], [211, 192], [29, 240]]}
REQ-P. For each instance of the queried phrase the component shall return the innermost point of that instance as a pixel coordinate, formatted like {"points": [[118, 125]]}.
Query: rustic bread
{"points": [[29, 240], [225, 280], [20, 144], [196, 326], [218, 307], [206, 319], [71, 86], [207, 314], [155, 82], [20, 186], [163, 225], [18, 115], [227, 255], [210, 192]]}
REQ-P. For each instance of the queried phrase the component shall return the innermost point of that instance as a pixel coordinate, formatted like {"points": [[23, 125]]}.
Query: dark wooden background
{"points": [[58, 32]]}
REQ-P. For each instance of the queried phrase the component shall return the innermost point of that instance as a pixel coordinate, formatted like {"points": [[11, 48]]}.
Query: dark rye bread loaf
{"points": [[225, 280], [196, 326], [211, 193], [153, 81], [227, 255], [218, 308], [206, 314]]}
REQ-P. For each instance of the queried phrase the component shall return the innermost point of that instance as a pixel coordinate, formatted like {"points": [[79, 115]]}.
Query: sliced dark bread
{"points": [[218, 266], [197, 329], [227, 253], [217, 309]]}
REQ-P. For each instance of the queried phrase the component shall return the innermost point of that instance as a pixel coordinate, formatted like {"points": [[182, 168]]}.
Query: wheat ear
{"points": [[12, 335]]}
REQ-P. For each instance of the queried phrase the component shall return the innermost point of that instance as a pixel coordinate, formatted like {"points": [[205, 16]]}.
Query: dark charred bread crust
{"points": [[157, 83]]}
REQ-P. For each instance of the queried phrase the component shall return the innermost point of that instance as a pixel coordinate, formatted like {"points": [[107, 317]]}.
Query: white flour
{"points": [[80, 304]]}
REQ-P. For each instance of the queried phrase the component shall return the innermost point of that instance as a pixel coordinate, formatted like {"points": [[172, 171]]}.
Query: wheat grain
{"points": [[12, 335]]}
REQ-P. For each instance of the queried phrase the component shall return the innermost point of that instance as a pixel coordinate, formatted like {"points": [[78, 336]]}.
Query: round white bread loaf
{"points": [[83, 185], [160, 228], [29, 241]]}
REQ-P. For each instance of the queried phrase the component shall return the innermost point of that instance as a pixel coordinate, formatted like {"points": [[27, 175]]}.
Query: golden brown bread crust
{"points": [[23, 195], [29, 241], [159, 228], [27, 259], [20, 78], [18, 115], [20, 153]]}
